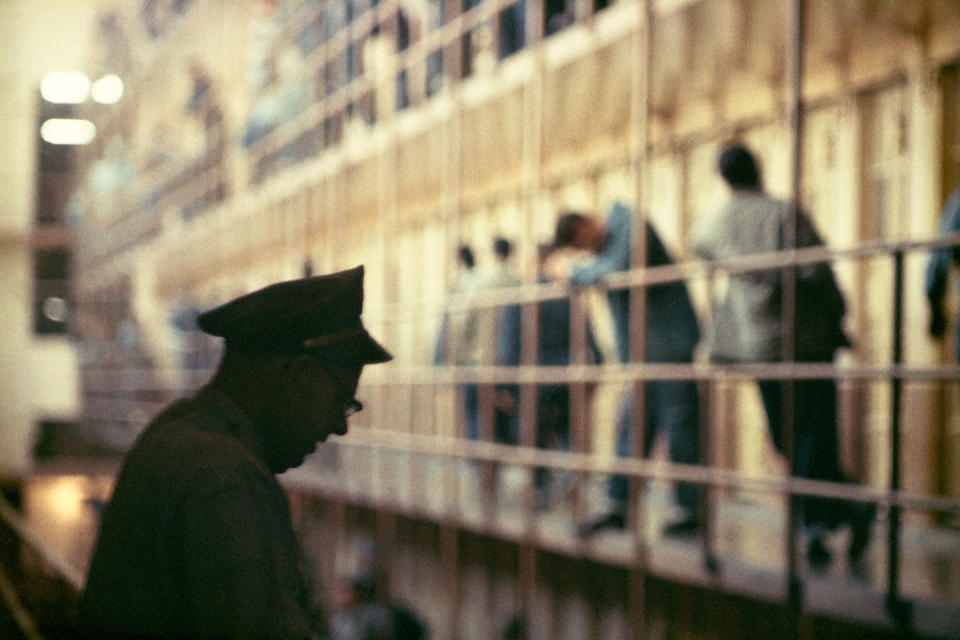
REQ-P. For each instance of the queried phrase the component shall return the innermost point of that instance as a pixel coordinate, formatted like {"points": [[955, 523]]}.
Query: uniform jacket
{"points": [[197, 540], [748, 322], [672, 330]]}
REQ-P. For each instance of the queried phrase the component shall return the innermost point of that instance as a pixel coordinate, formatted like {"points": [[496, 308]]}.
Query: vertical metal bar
{"points": [[391, 271], [578, 399], [334, 569], [389, 266], [788, 306], [894, 603], [387, 553], [452, 204], [640, 101], [330, 221], [310, 198], [527, 581], [528, 402], [450, 561], [485, 418], [530, 270], [705, 511], [453, 67]]}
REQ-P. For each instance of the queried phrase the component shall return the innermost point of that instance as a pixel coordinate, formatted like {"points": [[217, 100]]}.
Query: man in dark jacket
{"points": [[197, 540], [671, 407]]}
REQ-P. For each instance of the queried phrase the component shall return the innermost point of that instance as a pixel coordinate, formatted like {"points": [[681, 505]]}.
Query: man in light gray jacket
{"points": [[749, 326]]}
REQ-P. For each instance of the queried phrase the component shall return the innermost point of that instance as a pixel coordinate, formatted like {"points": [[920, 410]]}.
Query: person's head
{"points": [[579, 231], [293, 358], [738, 167], [465, 257], [502, 248]]}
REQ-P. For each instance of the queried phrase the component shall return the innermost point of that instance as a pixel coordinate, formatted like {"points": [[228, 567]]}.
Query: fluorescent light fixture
{"points": [[67, 131], [65, 87], [107, 90]]}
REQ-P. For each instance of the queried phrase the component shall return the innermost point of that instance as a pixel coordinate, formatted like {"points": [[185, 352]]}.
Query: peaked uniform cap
{"points": [[319, 314]]}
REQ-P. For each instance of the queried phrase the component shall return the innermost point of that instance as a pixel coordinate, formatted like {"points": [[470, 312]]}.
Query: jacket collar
{"points": [[231, 420]]}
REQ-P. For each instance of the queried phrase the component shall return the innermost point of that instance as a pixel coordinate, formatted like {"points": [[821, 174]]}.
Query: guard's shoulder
{"points": [[189, 441]]}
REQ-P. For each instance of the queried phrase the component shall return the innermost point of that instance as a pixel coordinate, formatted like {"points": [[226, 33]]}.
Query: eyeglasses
{"points": [[350, 404]]}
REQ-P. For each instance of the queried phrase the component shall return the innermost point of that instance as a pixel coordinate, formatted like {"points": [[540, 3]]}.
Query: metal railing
{"points": [[370, 435], [39, 589], [897, 372]]}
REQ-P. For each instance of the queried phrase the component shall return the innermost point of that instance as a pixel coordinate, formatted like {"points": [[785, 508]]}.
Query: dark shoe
{"points": [[685, 527], [612, 520], [818, 555], [861, 527]]}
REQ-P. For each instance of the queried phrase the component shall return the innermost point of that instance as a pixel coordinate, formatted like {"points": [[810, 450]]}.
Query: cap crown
{"points": [[295, 315]]}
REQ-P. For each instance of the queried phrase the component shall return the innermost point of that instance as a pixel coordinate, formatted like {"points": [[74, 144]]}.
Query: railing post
{"points": [[788, 307], [643, 55], [449, 548], [896, 606]]}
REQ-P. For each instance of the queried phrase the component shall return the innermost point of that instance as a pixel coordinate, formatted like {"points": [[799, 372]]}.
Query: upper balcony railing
{"points": [[408, 436]]}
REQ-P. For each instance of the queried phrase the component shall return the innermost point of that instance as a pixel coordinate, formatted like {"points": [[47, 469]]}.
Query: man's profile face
{"points": [[315, 396]]}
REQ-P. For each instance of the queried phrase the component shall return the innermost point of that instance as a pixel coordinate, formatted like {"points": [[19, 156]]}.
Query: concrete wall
{"points": [[39, 375], [510, 148]]}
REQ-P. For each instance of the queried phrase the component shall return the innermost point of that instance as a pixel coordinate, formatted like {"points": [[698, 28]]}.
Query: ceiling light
{"points": [[67, 131], [107, 90], [65, 87]]}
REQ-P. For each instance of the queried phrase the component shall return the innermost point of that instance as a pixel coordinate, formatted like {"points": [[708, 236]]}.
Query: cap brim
{"points": [[373, 350], [360, 348]]}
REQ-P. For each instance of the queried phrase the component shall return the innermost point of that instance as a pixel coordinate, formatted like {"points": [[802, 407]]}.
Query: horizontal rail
{"points": [[649, 276], [109, 391], [640, 468], [570, 374]]}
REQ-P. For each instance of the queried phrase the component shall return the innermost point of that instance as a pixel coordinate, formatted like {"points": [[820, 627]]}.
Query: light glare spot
{"points": [[107, 90], [65, 87], [67, 131]]}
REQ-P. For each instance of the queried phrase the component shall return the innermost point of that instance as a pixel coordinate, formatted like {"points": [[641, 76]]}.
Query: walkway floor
{"points": [[62, 504], [748, 541]]}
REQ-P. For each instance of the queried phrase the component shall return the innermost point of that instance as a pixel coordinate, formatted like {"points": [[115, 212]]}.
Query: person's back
{"points": [[749, 320], [671, 332], [747, 323], [672, 329]]}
